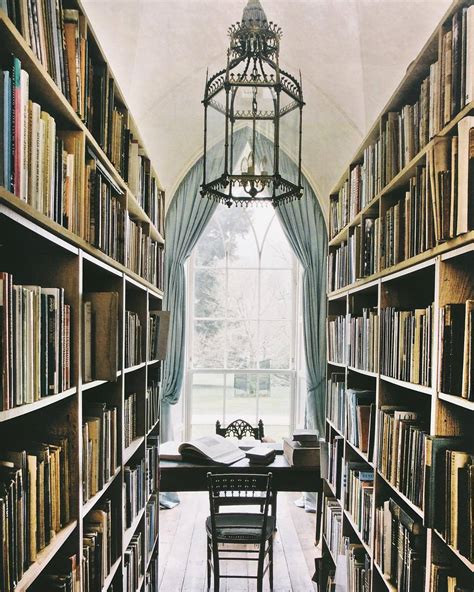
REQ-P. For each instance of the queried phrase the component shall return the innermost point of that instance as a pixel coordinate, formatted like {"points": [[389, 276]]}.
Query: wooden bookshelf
{"points": [[37, 250], [440, 275]]}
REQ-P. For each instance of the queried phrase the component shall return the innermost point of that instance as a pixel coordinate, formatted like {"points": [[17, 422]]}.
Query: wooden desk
{"points": [[186, 476]]}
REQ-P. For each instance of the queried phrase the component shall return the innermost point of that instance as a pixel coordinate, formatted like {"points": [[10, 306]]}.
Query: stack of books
{"points": [[261, 455], [302, 450]]}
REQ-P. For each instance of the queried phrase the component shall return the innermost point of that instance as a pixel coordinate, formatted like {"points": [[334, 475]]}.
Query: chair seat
{"points": [[240, 527]]}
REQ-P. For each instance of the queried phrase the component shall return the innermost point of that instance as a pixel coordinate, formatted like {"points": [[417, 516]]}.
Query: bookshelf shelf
{"points": [[385, 580], [364, 372], [401, 282], [419, 388], [464, 560], [458, 401], [349, 518], [32, 407], [128, 534], [110, 576], [363, 455], [414, 508], [131, 450], [329, 550], [56, 252], [44, 557]]}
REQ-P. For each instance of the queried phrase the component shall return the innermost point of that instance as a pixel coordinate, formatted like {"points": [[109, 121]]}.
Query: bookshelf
{"points": [[400, 272], [72, 264]]}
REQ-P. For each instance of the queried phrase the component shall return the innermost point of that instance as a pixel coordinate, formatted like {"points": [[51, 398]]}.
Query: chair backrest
{"points": [[238, 489], [239, 429]]}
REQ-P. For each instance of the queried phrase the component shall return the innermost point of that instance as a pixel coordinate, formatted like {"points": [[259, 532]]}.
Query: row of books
{"points": [[447, 89], [456, 336], [40, 164], [360, 426], [59, 37], [134, 476], [152, 404], [359, 492], [35, 342], [337, 349], [34, 503], [152, 465], [133, 339], [130, 419], [336, 399], [401, 450], [62, 574], [405, 344], [334, 465], [400, 545], [99, 446], [144, 256], [443, 577], [359, 571], [449, 483], [158, 326], [144, 186], [151, 522], [152, 574], [333, 526], [100, 336], [133, 564], [99, 546], [363, 340], [435, 207]]}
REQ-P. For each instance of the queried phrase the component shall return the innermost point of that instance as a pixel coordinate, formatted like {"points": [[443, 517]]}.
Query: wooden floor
{"points": [[183, 549]]}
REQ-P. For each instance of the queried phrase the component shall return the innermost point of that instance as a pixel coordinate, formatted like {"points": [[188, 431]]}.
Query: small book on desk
{"points": [[307, 438], [207, 449], [298, 455], [261, 455]]}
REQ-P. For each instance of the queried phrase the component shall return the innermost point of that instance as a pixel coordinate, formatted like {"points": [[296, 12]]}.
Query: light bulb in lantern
{"points": [[264, 166], [244, 166], [251, 163]]}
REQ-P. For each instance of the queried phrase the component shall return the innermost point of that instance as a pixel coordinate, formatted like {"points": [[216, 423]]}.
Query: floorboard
{"points": [[183, 549]]}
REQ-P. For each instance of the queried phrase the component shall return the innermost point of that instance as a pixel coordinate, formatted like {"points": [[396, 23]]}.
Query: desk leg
{"points": [[319, 515], [274, 507]]}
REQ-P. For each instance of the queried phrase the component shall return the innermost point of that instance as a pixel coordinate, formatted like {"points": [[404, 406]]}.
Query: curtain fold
{"points": [[186, 219], [304, 226]]}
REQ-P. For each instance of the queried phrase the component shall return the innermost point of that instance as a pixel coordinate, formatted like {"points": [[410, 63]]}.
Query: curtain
{"points": [[186, 219], [304, 226]]}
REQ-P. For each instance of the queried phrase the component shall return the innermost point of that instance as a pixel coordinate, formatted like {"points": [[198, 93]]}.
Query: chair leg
{"points": [[215, 563], [208, 544], [270, 567], [260, 566]]}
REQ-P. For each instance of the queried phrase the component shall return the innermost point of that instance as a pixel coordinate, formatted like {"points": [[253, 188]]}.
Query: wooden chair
{"points": [[240, 528], [240, 429]]}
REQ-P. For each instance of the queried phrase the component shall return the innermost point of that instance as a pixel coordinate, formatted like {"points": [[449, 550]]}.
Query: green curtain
{"points": [[186, 219], [304, 226]]}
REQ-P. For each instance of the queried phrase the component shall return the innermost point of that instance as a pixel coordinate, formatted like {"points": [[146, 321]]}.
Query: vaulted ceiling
{"points": [[352, 54]]}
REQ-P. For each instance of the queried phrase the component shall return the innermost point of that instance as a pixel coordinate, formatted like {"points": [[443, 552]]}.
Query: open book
{"points": [[215, 449]]}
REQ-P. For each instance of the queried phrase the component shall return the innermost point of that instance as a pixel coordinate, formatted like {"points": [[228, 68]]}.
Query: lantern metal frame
{"points": [[254, 51]]}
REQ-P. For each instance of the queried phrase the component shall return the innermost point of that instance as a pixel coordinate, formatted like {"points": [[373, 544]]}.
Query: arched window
{"points": [[242, 324]]}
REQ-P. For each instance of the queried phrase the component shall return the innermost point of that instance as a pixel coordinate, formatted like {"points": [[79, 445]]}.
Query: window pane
{"points": [[242, 344], [241, 398], [275, 344], [276, 300], [207, 400], [243, 297], [209, 293], [274, 404], [210, 249], [209, 344], [276, 250]]}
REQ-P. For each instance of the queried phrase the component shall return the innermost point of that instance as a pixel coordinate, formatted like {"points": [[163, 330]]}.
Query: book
{"points": [[465, 207], [467, 388], [103, 334], [211, 449], [260, 455], [300, 456]]}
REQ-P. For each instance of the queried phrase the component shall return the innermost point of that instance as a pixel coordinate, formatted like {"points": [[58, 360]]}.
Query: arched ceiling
{"points": [[352, 54]]}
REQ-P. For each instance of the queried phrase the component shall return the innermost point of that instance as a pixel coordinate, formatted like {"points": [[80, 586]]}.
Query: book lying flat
{"points": [[212, 449], [261, 455]]}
